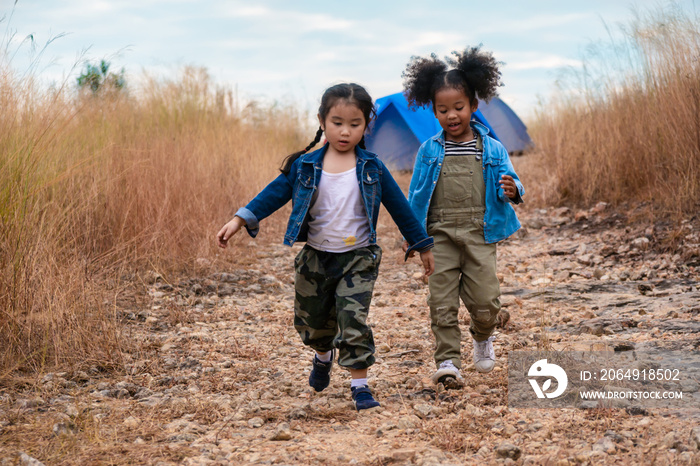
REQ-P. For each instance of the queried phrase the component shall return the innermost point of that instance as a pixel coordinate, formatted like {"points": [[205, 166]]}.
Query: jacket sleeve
{"points": [[271, 198], [416, 176], [402, 214]]}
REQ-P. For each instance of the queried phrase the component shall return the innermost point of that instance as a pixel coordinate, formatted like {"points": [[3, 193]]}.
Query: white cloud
{"points": [[537, 22], [249, 11], [542, 62]]}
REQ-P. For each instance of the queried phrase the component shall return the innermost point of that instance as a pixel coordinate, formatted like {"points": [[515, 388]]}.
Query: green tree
{"points": [[97, 77]]}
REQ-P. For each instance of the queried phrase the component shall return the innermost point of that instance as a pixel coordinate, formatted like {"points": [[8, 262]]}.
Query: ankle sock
{"points": [[358, 382], [324, 357]]}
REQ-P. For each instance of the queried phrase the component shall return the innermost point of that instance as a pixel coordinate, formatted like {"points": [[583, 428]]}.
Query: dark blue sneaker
{"points": [[362, 397], [320, 375]]}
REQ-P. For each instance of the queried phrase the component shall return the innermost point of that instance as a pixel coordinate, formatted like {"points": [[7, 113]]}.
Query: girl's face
{"points": [[344, 126], [454, 111]]}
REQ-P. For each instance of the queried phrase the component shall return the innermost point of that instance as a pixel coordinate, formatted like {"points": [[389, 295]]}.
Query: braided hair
{"points": [[349, 92], [473, 71]]}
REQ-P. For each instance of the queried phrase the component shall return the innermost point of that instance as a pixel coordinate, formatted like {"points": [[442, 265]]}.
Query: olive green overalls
{"points": [[465, 266]]}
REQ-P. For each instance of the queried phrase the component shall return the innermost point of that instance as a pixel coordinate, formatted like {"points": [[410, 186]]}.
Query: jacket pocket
{"points": [[307, 181], [428, 159], [371, 189]]}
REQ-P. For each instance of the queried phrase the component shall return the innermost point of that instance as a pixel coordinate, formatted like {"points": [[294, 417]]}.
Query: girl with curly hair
{"points": [[336, 192], [462, 189]]}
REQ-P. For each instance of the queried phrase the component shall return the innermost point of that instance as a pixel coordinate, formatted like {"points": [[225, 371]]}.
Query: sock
{"points": [[324, 357], [358, 382]]}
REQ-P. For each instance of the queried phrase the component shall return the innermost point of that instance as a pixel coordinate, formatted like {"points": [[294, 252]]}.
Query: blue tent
{"points": [[398, 131]]}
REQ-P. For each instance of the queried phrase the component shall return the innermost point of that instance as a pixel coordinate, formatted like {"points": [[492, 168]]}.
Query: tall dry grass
{"points": [[96, 188], [631, 132]]}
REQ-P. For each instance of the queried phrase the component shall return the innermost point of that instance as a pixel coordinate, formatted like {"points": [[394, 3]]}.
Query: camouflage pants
{"points": [[333, 294]]}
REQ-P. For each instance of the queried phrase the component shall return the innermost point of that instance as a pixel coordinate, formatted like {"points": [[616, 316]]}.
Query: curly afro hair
{"points": [[474, 71]]}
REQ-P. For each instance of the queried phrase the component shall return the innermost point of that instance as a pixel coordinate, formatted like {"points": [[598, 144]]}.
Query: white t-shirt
{"points": [[338, 218]]}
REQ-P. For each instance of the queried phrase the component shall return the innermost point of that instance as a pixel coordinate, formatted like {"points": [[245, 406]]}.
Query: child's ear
{"points": [[475, 105], [320, 122]]}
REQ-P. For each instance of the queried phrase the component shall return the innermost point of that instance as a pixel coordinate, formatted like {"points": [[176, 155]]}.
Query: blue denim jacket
{"points": [[500, 220], [376, 186]]}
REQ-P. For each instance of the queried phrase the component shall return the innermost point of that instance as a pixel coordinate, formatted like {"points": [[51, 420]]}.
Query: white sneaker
{"points": [[484, 357], [448, 375]]}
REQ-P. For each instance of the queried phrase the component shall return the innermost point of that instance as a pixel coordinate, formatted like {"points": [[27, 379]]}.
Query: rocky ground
{"points": [[220, 376]]}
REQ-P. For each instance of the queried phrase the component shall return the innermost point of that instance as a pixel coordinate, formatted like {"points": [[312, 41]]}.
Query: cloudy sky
{"points": [[292, 50]]}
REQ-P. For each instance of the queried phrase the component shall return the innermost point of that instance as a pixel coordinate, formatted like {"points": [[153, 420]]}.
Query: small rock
{"points": [[72, 411], [423, 410], [131, 422], [640, 243], [508, 450], [383, 348], [33, 403], [605, 445], [581, 216], [411, 421], [26, 460], [64, 429], [282, 432], [256, 422], [599, 207], [671, 440], [689, 386], [403, 456], [695, 437]]}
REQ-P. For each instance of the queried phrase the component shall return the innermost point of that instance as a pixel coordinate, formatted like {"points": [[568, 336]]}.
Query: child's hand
{"points": [[404, 246], [230, 229], [509, 187], [428, 262]]}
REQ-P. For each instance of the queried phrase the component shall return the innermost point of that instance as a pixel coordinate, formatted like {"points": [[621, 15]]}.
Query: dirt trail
{"points": [[222, 376]]}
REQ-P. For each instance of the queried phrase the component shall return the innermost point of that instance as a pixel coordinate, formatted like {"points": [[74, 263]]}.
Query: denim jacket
{"points": [[500, 220], [299, 185]]}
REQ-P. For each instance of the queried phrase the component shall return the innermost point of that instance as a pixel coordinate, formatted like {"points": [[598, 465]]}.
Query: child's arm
{"points": [[228, 230], [275, 195]]}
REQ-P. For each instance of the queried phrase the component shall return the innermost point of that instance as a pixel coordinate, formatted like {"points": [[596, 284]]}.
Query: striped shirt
{"points": [[462, 148]]}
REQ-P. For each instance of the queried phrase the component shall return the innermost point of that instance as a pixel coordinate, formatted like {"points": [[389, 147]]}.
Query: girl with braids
{"points": [[462, 188], [336, 192]]}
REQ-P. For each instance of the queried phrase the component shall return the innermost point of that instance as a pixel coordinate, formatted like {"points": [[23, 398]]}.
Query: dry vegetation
{"points": [[96, 189], [631, 134]]}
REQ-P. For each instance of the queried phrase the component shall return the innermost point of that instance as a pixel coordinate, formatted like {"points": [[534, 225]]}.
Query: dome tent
{"points": [[397, 132]]}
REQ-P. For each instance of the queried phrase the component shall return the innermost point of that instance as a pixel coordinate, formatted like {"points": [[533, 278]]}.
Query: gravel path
{"points": [[220, 376]]}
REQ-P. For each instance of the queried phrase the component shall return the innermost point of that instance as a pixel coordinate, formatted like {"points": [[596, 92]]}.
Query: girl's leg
{"points": [[314, 300], [353, 295], [355, 341], [444, 295], [314, 312], [480, 292], [359, 377]]}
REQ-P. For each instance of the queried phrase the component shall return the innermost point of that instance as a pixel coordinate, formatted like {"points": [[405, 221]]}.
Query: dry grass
{"points": [[96, 189], [632, 132]]}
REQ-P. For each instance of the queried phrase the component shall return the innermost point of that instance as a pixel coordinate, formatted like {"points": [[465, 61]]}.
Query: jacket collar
{"points": [[316, 157]]}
